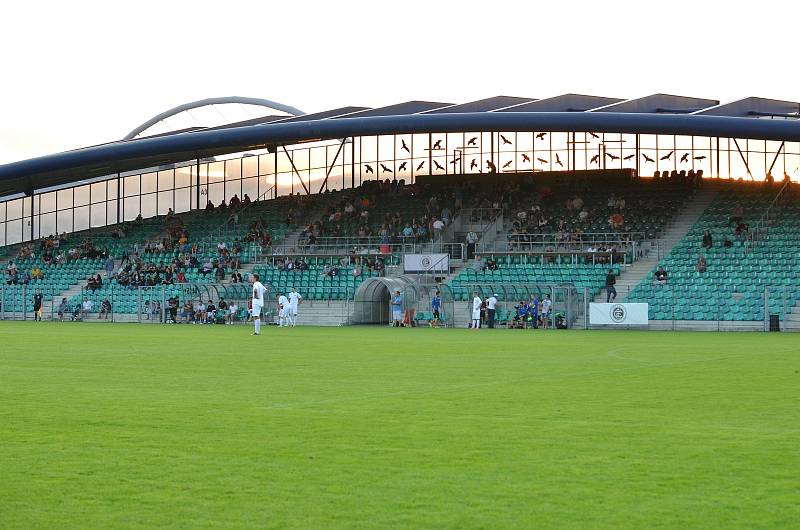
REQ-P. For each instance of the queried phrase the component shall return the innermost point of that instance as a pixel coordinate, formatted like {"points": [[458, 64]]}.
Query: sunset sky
{"points": [[80, 73]]}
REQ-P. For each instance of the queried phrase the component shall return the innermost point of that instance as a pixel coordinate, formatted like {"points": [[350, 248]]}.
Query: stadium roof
{"points": [[654, 114]]}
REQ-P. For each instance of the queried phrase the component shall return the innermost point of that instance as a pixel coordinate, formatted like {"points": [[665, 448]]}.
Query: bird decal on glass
{"points": [[420, 165], [438, 165], [647, 158], [541, 136], [595, 159], [667, 156], [490, 166], [542, 160], [404, 147], [386, 169], [507, 164], [369, 168], [684, 158], [701, 157], [402, 167], [594, 135], [472, 140], [455, 160], [506, 141], [558, 160], [473, 164], [437, 144], [629, 157], [612, 157], [525, 158]]}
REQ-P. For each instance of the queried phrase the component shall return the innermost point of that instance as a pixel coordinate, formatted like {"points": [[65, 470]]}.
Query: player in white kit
{"points": [[283, 311], [476, 310], [294, 301], [258, 302]]}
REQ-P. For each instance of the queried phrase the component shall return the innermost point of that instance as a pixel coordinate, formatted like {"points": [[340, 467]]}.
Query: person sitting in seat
{"points": [[701, 264], [660, 277], [708, 241], [105, 309]]}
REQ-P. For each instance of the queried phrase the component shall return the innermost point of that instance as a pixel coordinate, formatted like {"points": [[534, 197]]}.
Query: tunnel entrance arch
{"points": [[371, 303]]}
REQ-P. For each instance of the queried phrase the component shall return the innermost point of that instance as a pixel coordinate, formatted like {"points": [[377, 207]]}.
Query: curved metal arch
{"points": [[212, 101]]}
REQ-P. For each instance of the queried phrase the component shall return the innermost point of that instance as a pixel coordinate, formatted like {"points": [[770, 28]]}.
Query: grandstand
{"points": [[522, 196]]}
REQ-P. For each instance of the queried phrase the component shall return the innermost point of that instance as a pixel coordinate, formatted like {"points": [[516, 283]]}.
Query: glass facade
{"points": [[319, 166]]}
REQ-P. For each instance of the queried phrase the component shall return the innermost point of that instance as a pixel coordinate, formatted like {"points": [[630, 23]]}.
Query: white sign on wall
{"points": [[618, 314], [416, 263]]}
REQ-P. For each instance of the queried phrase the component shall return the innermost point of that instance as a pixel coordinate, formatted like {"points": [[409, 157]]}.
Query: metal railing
{"points": [[759, 232]]}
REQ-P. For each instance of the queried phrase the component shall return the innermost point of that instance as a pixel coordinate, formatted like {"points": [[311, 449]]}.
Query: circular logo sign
{"points": [[426, 262], [617, 313]]}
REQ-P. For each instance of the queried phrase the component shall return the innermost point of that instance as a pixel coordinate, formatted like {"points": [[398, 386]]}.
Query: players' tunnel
{"points": [[371, 304]]}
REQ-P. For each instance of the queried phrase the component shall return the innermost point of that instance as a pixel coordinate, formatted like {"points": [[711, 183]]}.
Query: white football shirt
{"points": [[258, 293], [283, 302], [294, 298], [476, 303], [491, 302]]}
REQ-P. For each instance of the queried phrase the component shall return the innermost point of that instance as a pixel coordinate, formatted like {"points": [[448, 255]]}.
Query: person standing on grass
{"points": [[397, 309], [491, 304], [547, 306], [294, 300], [476, 310], [257, 302], [283, 311], [611, 292], [37, 305], [533, 309], [436, 306]]}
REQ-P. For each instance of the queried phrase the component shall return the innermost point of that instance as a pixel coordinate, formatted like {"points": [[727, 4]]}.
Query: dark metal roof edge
{"points": [[110, 157]]}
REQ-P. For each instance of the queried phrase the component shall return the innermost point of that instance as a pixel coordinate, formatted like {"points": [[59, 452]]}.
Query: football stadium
{"points": [[502, 313]]}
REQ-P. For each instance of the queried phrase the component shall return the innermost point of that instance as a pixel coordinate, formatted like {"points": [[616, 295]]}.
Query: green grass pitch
{"points": [[134, 426]]}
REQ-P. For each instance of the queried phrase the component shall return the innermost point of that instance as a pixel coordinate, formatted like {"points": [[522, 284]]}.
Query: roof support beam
{"points": [[772, 165], [330, 168], [744, 159], [296, 172]]}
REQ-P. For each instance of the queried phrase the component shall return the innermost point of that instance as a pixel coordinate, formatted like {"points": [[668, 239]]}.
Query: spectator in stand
{"points": [[701, 264], [232, 309], [211, 312], [246, 200], [741, 232], [11, 273], [660, 277], [491, 264], [708, 241], [63, 307], [207, 268], [737, 215], [200, 311], [611, 291], [36, 273], [472, 240], [86, 307], [105, 309], [220, 273], [188, 311]]}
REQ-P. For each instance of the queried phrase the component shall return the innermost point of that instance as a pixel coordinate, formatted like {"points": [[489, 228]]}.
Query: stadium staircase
{"points": [[633, 274]]}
